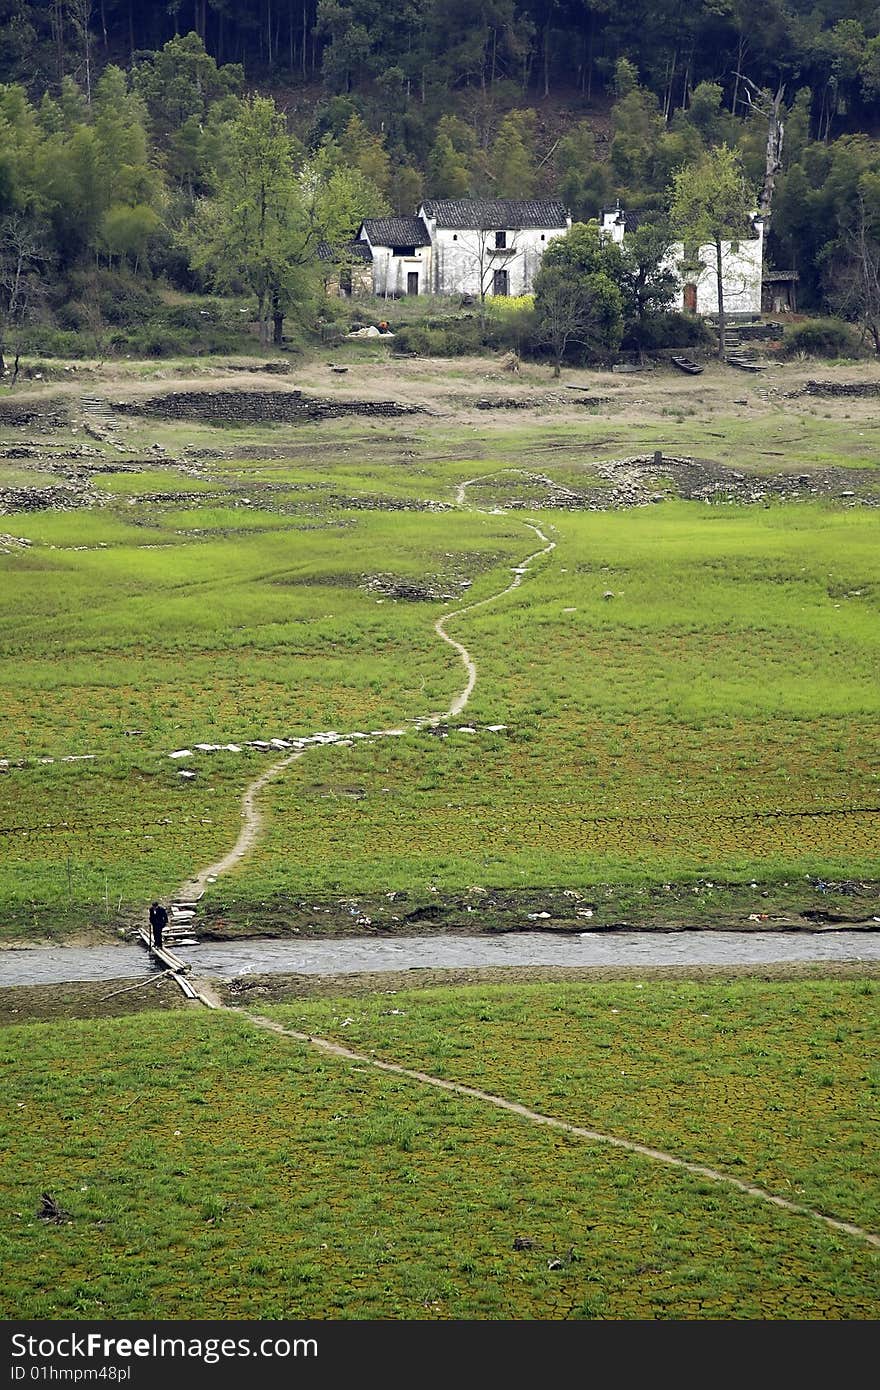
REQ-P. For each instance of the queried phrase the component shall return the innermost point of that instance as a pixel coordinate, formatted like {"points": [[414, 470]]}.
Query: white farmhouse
{"points": [[468, 246], [488, 246], [400, 248], [741, 268]]}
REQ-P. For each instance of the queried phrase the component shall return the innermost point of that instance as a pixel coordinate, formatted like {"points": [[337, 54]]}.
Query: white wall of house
{"points": [[741, 269], [465, 262], [742, 266], [391, 273]]}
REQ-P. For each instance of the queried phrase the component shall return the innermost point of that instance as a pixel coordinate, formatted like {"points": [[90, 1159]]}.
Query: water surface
{"points": [[351, 955]]}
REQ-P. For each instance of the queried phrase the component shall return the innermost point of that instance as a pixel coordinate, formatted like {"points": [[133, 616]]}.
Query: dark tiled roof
{"points": [[770, 275], [396, 231], [351, 251], [495, 214]]}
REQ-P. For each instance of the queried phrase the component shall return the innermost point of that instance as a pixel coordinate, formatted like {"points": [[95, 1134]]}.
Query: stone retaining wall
{"points": [[256, 407], [838, 388], [47, 414]]}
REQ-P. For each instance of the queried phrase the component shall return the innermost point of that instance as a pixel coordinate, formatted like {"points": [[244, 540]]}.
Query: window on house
{"points": [[455, 236], [500, 241], [403, 250]]}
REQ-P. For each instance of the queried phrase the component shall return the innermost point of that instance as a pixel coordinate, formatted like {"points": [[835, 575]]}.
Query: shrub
{"points": [[443, 338], [669, 330], [822, 338], [54, 342]]}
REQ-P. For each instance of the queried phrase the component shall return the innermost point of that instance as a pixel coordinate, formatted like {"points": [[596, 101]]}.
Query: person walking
{"points": [[158, 922]]}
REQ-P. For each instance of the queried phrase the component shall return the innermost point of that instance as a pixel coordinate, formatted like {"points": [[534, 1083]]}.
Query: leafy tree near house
{"points": [[711, 203], [448, 173], [255, 231], [648, 281], [451, 159], [583, 181], [578, 300]]}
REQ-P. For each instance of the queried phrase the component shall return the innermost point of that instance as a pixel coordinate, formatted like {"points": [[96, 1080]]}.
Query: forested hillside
{"points": [[127, 133]]}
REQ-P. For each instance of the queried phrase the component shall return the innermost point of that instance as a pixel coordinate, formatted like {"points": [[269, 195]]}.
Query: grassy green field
{"points": [[685, 704], [213, 1170], [713, 721]]}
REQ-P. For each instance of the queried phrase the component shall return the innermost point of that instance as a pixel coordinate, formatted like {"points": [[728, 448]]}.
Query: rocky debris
{"points": [[62, 497], [389, 586], [257, 407], [387, 504], [298, 742], [38, 451], [273, 368], [535, 402], [836, 388], [7, 763], [10, 543], [440, 729], [43, 416], [649, 478]]}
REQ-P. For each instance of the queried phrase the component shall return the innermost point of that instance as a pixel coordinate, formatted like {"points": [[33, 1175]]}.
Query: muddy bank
{"points": [[847, 905], [89, 999], [852, 905]]}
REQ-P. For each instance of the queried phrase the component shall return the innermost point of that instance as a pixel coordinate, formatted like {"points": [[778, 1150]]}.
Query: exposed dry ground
{"points": [[478, 396]]}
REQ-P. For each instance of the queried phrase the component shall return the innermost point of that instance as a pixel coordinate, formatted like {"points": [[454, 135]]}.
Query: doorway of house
{"points": [[690, 299], [412, 282], [500, 282]]}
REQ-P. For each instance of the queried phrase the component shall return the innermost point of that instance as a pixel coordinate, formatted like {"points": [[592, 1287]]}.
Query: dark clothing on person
{"points": [[158, 921]]}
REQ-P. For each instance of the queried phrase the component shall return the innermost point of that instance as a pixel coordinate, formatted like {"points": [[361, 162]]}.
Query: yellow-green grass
{"points": [[717, 716], [213, 1170]]}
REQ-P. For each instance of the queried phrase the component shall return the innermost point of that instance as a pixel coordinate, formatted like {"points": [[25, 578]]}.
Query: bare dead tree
{"points": [[853, 278], [770, 106], [485, 256], [21, 255], [82, 14]]}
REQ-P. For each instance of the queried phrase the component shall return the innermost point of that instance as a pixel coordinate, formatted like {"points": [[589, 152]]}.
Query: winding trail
{"points": [[470, 665], [251, 825], [252, 821], [537, 1118]]}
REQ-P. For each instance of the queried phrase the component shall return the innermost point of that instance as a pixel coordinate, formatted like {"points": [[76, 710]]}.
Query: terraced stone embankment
{"points": [[256, 407]]}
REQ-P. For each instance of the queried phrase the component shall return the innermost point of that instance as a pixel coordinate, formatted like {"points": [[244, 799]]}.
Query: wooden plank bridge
{"points": [[178, 932]]}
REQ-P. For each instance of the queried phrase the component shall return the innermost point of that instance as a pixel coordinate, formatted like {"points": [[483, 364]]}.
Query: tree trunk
{"points": [[773, 156], [547, 58], [720, 279]]}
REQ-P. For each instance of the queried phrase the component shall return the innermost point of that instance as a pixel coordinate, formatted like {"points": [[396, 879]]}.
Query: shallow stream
{"points": [[352, 955]]}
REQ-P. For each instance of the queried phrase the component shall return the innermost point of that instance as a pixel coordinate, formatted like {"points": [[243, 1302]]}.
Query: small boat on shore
{"points": [[686, 364]]}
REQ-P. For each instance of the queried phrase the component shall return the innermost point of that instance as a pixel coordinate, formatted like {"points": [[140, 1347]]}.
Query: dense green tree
{"points": [[578, 296], [254, 233], [366, 152], [648, 280], [448, 172], [581, 180], [182, 81], [511, 158], [337, 195]]}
